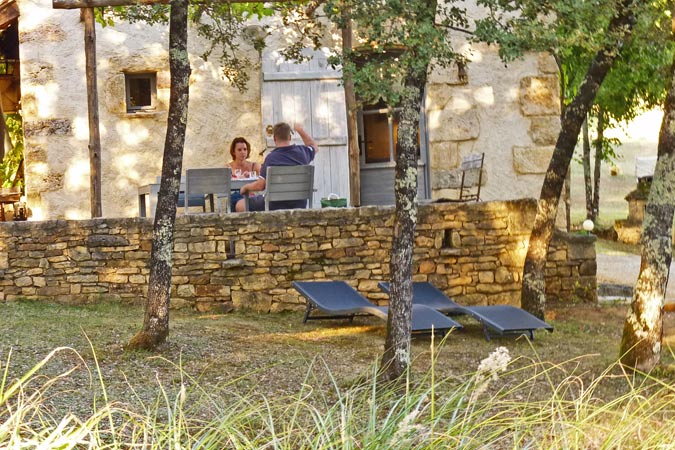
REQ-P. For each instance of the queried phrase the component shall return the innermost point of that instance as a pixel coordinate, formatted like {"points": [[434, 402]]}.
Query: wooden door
{"points": [[311, 94]]}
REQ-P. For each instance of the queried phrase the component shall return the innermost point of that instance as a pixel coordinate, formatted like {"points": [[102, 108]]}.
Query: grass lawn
{"points": [[274, 356]]}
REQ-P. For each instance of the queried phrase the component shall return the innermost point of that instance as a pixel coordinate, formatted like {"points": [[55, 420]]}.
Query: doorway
{"points": [[378, 135]]}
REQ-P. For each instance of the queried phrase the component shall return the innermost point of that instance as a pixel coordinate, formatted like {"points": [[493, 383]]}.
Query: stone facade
{"points": [[508, 112], [474, 252]]}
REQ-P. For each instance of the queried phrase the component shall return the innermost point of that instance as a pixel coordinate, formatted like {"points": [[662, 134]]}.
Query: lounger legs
{"points": [[310, 308]]}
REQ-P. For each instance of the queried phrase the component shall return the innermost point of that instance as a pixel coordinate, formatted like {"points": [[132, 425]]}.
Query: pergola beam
{"points": [[75, 4]]}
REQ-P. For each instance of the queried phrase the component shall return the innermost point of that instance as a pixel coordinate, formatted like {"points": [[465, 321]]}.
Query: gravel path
{"points": [[622, 270]]}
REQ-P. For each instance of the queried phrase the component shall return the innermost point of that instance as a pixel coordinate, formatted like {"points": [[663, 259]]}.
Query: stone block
{"points": [[531, 160], [545, 130], [547, 64], [504, 275], [486, 277], [539, 96], [426, 267], [112, 278], [24, 281], [451, 125]]}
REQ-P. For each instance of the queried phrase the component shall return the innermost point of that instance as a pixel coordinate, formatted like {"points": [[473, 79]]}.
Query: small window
{"points": [[141, 90]]}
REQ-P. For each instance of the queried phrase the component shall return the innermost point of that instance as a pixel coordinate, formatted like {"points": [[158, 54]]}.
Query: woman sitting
{"points": [[240, 150]]}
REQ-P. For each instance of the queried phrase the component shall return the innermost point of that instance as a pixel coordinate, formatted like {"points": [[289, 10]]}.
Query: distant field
{"points": [[639, 139]]}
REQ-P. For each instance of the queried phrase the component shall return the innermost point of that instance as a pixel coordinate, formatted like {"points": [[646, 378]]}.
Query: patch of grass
{"points": [[607, 247], [513, 396]]}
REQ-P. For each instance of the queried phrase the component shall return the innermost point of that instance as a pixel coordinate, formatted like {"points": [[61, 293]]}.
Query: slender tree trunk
{"points": [[156, 321], [598, 164], [586, 161], [643, 329], [396, 357], [352, 126], [4, 148], [533, 297]]}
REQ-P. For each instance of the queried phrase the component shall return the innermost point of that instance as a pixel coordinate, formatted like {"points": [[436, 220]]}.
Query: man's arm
{"points": [[306, 138], [254, 186]]}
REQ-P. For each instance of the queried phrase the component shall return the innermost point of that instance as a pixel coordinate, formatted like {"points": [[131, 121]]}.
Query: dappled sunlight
{"points": [[321, 333], [33, 16], [81, 128], [36, 213], [512, 94], [76, 214], [484, 96], [47, 97], [39, 168], [126, 164], [132, 135], [77, 176]]}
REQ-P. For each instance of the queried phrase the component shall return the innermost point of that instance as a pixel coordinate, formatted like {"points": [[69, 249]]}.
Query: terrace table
{"points": [[7, 198], [147, 195]]}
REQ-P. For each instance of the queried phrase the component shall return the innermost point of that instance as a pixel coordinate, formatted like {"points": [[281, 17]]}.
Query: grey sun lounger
{"points": [[338, 300], [496, 319]]}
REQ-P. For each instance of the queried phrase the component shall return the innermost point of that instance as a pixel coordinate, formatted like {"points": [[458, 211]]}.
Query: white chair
{"points": [[214, 184]]}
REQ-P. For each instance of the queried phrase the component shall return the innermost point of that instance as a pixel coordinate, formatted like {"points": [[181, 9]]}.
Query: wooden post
{"points": [[352, 127], [92, 103]]}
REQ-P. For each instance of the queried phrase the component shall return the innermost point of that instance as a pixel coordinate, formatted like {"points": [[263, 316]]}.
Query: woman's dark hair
{"points": [[239, 140]]}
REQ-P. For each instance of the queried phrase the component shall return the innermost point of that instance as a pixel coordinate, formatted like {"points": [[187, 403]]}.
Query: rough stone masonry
{"points": [[474, 252]]}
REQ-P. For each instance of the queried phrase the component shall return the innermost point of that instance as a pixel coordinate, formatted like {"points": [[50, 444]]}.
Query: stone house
{"points": [[511, 113]]}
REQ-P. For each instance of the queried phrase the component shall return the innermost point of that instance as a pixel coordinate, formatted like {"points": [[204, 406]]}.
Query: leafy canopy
{"points": [[394, 39]]}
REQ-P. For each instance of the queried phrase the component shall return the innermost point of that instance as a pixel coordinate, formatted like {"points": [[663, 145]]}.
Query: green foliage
{"points": [[394, 39], [221, 23], [13, 157], [573, 31]]}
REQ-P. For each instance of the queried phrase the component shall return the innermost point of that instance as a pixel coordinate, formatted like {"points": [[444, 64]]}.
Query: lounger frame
{"points": [[495, 319], [338, 300]]}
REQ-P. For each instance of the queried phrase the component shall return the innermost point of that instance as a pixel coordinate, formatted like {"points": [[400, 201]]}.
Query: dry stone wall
{"points": [[474, 252]]}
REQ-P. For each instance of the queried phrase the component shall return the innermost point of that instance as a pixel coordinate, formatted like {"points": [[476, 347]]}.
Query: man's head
{"points": [[282, 133]]}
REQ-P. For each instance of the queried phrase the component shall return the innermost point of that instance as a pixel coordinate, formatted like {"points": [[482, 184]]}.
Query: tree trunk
{"points": [[598, 164], [533, 298], [396, 357], [156, 321], [643, 329], [586, 161], [352, 126]]}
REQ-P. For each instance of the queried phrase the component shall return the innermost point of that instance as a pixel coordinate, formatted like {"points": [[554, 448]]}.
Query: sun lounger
{"points": [[338, 300], [497, 319]]}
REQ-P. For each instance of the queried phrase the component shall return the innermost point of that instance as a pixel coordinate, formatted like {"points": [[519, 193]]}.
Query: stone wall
{"points": [[571, 268], [474, 252]]}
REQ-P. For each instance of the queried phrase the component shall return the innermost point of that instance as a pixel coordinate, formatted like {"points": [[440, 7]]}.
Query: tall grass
{"points": [[503, 404]]}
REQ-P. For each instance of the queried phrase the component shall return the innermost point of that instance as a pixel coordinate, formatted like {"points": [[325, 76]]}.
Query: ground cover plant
{"points": [[247, 380]]}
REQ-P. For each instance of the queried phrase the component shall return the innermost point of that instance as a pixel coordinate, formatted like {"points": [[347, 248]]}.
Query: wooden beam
{"points": [[75, 4], [8, 12], [92, 103]]}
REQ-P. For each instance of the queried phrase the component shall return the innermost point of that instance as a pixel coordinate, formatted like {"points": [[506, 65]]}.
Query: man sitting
{"points": [[285, 154]]}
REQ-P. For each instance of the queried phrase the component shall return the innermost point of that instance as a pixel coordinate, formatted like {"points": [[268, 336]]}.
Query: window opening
{"points": [[141, 91], [380, 134], [447, 238]]}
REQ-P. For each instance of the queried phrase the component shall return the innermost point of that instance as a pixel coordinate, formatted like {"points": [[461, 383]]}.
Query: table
{"points": [[8, 199], [148, 194]]}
